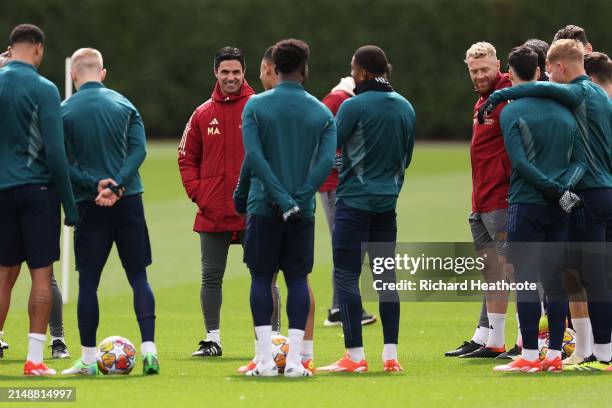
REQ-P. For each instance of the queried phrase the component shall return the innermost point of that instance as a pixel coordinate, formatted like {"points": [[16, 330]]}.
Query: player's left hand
{"points": [[104, 183], [106, 198]]}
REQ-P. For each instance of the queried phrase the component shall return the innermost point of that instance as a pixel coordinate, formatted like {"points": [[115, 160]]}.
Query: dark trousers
{"points": [[352, 228], [537, 235], [590, 232]]}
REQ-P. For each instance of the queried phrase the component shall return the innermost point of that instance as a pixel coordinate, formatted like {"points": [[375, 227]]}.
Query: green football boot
{"points": [[150, 364], [590, 364], [82, 369]]}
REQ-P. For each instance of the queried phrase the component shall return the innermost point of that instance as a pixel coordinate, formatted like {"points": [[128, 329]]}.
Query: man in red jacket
{"points": [[210, 157], [327, 194], [491, 170]]}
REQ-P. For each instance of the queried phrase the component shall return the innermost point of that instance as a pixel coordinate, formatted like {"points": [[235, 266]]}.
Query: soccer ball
{"points": [[567, 346], [569, 342], [280, 348], [116, 355]]}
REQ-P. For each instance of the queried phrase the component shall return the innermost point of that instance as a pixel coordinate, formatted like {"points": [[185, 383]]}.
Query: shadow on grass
{"points": [[71, 378], [356, 376], [213, 360], [483, 362]]}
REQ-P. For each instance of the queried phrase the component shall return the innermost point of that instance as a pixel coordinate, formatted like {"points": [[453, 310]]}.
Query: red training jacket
{"points": [[333, 100], [491, 166], [210, 156]]}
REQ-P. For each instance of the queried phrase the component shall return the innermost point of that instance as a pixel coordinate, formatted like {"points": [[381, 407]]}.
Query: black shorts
{"points": [[124, 224], [271, 245], [30, 226]]}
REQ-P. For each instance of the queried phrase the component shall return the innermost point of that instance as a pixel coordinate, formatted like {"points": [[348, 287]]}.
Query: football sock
{"points": [[497, 324], [296, 336], [530, 355], [264, 344], [276, 309], [600, 313], [603, 352], [1, 334], [261, 300], [483, 320], [481, 335], [552, 354], [333, 310], [144, 303], [389, 352], [557, 312], [582, 327], [307, 350], [148, 347], [36, 343], [298, 302], [355, 353], [214, 335], [56, 323], [87, 306], [53, 338], [88, 355]]}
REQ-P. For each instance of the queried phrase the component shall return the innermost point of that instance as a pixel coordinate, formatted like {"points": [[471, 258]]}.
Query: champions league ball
{"points": [[567, 346], [280, 348], [116, 355], [569, 343]]}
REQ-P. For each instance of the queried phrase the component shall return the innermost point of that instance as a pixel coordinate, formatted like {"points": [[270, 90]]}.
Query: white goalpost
{"points": [[67, 231]]}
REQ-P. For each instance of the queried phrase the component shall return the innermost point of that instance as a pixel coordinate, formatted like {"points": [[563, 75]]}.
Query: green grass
{"points": [[434, 206]]}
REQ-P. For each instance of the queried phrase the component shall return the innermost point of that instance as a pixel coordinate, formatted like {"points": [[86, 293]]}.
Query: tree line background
{"points": [[159, 53]]}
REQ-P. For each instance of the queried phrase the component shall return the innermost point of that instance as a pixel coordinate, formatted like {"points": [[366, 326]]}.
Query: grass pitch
{"points": [[433, 206]]}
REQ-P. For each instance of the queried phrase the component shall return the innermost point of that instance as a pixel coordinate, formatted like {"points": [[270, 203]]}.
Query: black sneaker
{"points": [[333, 318], [59, 349], [367, 318], [510, 354], [466, 347], [484, 352], [208, 349]]}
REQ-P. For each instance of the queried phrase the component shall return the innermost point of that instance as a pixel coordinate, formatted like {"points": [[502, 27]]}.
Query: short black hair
{"points": [[541, 48], [290, 55], [389, 70], [572, 32], [268, 53], [371, 58], [599, 66], [523, 61], [227, 54], [26, 33]]}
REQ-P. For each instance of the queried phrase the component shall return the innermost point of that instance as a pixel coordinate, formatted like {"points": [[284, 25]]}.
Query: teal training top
{"points": [[31, 135], [593, 112], [376, 132], [543, 145], [105, 138], [290, 144]]}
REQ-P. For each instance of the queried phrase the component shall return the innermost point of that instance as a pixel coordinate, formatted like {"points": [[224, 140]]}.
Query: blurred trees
{"points": [[159, 52]]}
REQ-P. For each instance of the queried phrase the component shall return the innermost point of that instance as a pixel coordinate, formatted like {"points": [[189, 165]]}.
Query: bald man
{"points": [[105, 141]]}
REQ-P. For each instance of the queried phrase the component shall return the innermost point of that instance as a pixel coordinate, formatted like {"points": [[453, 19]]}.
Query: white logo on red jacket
{"points": [[213, 127]]}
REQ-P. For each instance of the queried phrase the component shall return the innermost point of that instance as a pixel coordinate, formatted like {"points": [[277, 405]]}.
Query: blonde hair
{"points": [[479, 50], [567, 50], [87, 59]]}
